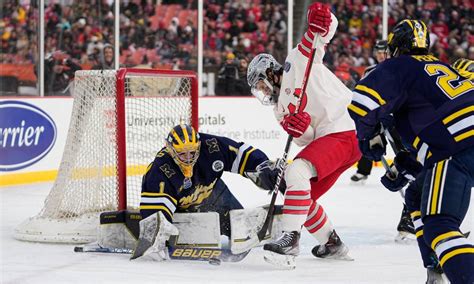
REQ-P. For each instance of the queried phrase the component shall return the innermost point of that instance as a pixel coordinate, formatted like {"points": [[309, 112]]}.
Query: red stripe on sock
{"points": [[316, 217], [295, 212], [315, 229], [297, 192], [293, 202]]}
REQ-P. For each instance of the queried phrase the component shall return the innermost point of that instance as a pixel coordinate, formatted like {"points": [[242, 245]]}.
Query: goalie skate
{"points": [[333, 249]]}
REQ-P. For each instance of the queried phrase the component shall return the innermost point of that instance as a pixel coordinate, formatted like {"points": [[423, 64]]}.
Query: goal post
{"points": [[119, 121]]}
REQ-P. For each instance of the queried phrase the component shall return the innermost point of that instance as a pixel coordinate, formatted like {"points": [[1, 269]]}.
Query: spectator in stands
{"points": [[59, 70], [242, 87], [106, 60], [244, 28], [228, 77]]}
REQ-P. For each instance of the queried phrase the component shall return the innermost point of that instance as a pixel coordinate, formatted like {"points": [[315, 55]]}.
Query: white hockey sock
{"points": [[318, 224], [297, 196]]}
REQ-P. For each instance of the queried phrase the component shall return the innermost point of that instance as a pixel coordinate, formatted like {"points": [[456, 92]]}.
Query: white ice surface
{"points": [[364, 216]]}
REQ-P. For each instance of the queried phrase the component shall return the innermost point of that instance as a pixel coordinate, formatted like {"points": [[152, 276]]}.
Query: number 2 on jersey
{"points": [[445, 79]]}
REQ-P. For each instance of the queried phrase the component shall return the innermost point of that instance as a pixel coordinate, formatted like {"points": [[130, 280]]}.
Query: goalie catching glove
{"points": [[266, 174]]}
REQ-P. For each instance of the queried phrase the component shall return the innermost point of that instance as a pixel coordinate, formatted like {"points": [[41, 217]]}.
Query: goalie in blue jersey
{"points": [[431, 105], [186, 177]]}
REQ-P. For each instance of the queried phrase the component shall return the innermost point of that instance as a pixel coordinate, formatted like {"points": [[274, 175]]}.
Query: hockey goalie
{"points": [[186, 207]]}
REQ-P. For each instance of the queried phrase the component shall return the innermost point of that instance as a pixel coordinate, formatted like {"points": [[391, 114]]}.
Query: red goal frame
{"points": [[121, 125]]}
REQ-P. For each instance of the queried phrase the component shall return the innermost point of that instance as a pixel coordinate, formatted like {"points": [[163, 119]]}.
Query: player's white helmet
{"points": [[261, 77]]}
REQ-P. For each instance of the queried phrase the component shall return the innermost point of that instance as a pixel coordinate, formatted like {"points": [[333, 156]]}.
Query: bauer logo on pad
{"points": [[27, 134]]}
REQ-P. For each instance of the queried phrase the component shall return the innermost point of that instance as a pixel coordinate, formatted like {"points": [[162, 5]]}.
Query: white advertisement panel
{"points": [[33, 132], [244, 119]]}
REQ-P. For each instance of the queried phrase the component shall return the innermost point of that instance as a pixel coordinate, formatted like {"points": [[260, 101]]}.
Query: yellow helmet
{"points": [[465, 67], [183, 145]]}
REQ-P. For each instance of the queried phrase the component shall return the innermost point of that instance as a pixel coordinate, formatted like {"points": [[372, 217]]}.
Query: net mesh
{"points": [[87, 179]]}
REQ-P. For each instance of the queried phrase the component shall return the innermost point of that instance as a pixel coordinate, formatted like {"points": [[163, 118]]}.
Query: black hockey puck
{"points": [[78, 249], [215, 261]]}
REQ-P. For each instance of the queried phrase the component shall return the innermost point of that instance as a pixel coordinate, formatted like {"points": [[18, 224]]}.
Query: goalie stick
{"points": [[176, 253], [281, 164]]}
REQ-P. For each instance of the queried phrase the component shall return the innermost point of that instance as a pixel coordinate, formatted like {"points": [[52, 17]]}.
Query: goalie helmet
{"points": [[465, 68], [409, 37], [183, 145], [262, 78]]}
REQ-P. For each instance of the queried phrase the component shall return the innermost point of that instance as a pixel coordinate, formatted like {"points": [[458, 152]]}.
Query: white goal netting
{"points": [[89, 180]]}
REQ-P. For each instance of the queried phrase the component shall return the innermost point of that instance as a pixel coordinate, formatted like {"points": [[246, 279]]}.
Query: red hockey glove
{"points": [[296, 124], [319, 18]]}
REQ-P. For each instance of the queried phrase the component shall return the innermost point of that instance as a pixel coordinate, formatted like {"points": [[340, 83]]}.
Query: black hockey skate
{"points": [[434, 271], [405, 228], [283, 251], [359, 178], [434, 276], [333, 249]]}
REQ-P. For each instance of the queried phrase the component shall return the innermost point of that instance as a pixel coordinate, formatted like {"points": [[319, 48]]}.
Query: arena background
{"points": [[212, 37], [43, 42]]}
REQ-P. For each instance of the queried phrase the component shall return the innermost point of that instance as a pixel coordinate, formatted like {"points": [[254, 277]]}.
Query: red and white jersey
{"points": [[326, 98]]}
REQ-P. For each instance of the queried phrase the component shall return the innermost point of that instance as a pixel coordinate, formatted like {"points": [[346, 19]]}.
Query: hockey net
{"points": [[118, 123]]}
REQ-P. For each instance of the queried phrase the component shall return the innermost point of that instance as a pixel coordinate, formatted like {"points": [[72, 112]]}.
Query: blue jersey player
{"points": [[432, 107], [186, 177]]}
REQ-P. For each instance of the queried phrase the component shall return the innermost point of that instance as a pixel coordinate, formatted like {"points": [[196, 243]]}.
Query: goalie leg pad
{"points": [[118, 229], [245, 225], [155, 230], [197, 229]]}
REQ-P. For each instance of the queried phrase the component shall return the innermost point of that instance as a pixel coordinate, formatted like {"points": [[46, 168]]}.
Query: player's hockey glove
{"points": [[394, 180], [265, 176], [404, 169], [406, 161], [319, 18], [373, 148], [296, 124]]}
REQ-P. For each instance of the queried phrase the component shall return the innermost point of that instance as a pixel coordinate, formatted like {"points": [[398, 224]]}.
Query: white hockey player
{"points": [[321, 124]]}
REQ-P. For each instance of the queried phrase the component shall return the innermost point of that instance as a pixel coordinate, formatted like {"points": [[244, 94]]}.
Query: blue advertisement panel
{"points": [[27, 134]]}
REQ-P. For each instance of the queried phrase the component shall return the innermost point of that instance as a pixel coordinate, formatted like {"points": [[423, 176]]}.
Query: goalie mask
{"points": [[263, 77], [183, 145]]}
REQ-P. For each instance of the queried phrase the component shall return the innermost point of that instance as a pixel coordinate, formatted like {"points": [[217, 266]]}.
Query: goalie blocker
{"points": [[197, 235]]}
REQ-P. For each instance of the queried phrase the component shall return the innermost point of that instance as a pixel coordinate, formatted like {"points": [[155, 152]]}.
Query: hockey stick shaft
{"points": [[269, 219], [395, 140]]}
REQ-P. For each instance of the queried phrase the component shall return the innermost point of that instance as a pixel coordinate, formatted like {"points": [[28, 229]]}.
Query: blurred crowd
{"points": [[360, 25], [164, 36]]}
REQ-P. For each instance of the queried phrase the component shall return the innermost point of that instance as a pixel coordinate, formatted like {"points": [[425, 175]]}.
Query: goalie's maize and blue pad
{"points": [[191, 236]]}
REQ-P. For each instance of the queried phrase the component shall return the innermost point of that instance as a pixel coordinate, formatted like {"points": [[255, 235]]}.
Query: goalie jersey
{"points": [[432, 104], [165, 189]]}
